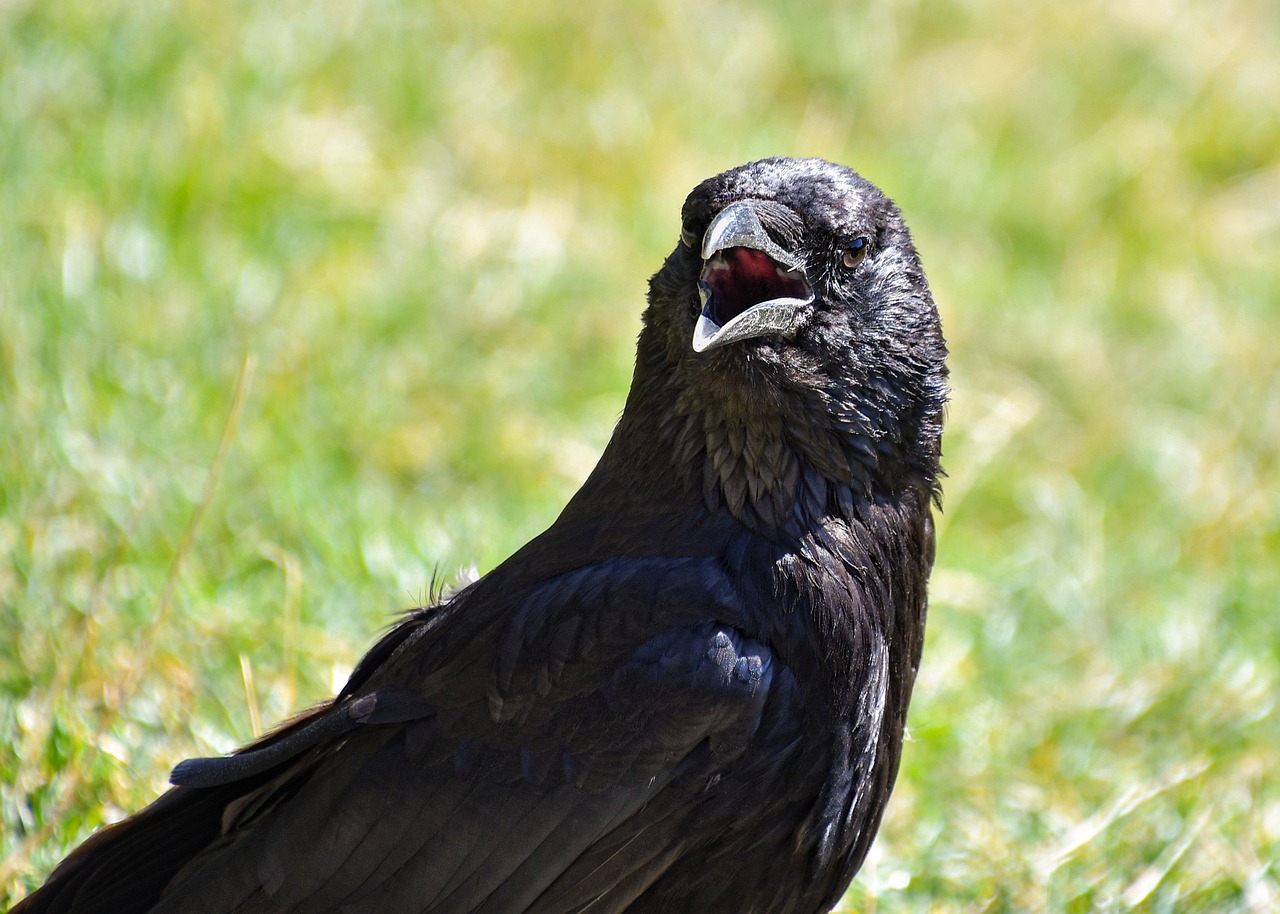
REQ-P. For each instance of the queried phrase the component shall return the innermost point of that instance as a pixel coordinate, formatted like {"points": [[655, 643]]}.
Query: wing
{"points": [[498, 753]]}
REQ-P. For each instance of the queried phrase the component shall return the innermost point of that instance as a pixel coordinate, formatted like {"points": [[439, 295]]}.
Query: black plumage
{"points": [[689, 693]]}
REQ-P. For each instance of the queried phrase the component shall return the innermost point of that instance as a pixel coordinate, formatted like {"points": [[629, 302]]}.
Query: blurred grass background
{"points": [[303, 303]]}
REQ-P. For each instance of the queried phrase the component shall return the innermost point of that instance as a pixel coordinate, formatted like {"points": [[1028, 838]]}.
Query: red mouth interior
{"points": [[738, 278]]}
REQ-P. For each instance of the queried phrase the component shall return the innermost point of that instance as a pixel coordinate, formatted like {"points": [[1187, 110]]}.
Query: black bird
{"points": [[689, 693]]}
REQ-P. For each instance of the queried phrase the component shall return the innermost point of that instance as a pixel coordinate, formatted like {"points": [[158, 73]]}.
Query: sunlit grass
{"points": [[415, 238]]}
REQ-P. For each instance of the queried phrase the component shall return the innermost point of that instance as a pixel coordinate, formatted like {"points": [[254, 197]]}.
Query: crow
{"points": [[689, 692]]}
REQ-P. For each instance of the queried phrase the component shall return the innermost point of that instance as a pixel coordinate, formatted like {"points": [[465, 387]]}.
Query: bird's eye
{"points": [[688, 237], [855, 252]]}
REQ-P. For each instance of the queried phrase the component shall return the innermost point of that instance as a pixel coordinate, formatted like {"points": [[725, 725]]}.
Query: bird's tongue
{"points": [[738, 278]]}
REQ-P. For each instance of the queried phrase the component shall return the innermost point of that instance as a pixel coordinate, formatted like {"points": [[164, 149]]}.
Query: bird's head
{"points": [[795, 301]]}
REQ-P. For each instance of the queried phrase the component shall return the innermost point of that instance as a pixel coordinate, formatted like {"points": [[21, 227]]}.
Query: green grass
{"points": [[416, 237]]}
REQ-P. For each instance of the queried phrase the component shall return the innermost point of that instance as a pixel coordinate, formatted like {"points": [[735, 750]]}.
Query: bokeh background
{"points": [[304, 305]]}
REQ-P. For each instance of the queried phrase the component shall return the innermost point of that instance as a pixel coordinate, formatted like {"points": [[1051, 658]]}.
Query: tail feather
{"points": [[125, 867]]}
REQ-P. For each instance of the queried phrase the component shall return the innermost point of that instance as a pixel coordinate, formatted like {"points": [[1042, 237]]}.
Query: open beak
{"points": [[750, 286]]}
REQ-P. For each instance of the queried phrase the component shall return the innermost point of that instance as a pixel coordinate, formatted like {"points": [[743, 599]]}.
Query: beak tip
{"points": [[704, 333], [735, 222]]}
